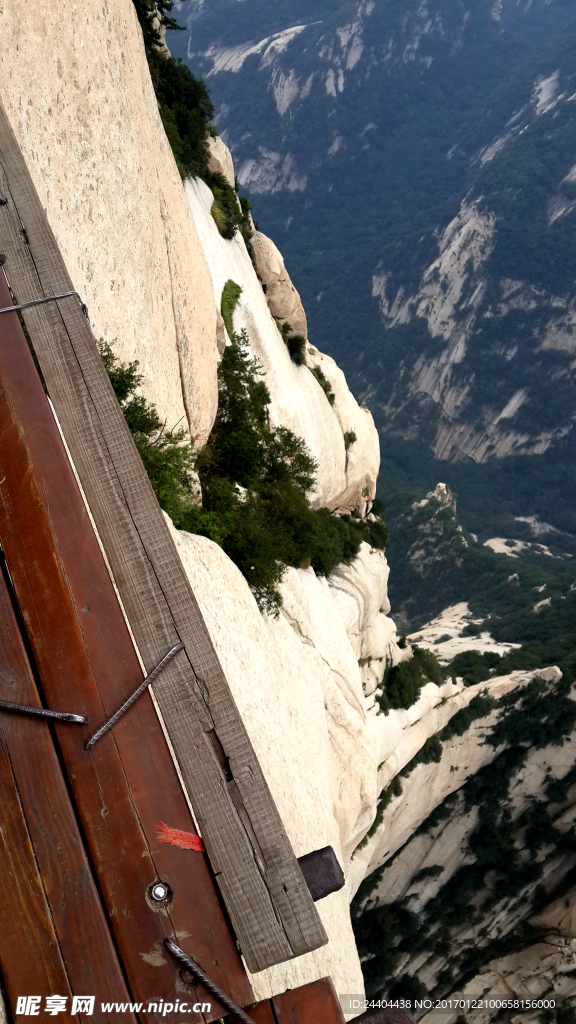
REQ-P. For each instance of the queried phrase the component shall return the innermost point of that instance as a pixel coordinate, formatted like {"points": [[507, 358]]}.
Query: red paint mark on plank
{"points": [[178, 838]]}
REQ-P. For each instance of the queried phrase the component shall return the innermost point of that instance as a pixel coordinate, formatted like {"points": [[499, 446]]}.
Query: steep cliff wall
{"points": [[346, 476], [75, 83], [86, 117]]}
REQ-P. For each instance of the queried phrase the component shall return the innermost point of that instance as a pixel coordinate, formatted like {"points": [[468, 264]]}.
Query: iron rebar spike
{"points": [[58, 716], [38, 302], [133, 697], [210, 985]]}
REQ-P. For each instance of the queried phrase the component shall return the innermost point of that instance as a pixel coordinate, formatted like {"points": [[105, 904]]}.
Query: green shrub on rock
{"points": [[324, 383], [402, 683], [295, 343], [225, 209], [255, 479], [231, 292], [167, 455], [255, 484], [433, 871]]}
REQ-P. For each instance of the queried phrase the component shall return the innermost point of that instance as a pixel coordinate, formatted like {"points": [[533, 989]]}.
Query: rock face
{"points": [[398, 737], [442, 860], [455, 298], [221, 159], [298, 685], [283, 300], [86, 117], [545, 970], [445, 636], [346, 475], [430, 547]]}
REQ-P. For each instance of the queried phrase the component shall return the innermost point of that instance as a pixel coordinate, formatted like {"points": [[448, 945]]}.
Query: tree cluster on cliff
{"points": [[255, 479]]}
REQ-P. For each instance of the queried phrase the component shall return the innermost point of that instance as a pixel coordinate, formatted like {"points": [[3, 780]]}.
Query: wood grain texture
{"points": [[262, 885], [54, 916], [30, 957], [315, 1003], [85, 658], [309, 1004], [261, 1013]]}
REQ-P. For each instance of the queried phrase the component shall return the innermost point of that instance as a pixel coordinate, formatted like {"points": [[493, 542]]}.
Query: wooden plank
{"points": [[309, 1004], [50, 911], [262, 885], [86, 659], [315, 1003], [262, 1013], [30, 956]]}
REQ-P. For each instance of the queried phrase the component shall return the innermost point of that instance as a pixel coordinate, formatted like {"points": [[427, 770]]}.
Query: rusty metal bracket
{"points": [[197, 972], [133, 697], [58, 716]]}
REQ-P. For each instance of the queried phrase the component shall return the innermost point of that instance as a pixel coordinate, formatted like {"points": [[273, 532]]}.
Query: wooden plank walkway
{"points": [[267, 899], [54, 937], [86, 663]]}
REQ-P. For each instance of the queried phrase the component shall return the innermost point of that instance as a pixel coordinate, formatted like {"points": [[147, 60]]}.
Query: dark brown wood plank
{"points": [[86, 659], [266, 896], [316, 1003], [309, 1004], [56, 874], [30, 957], [261, 1013]]}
